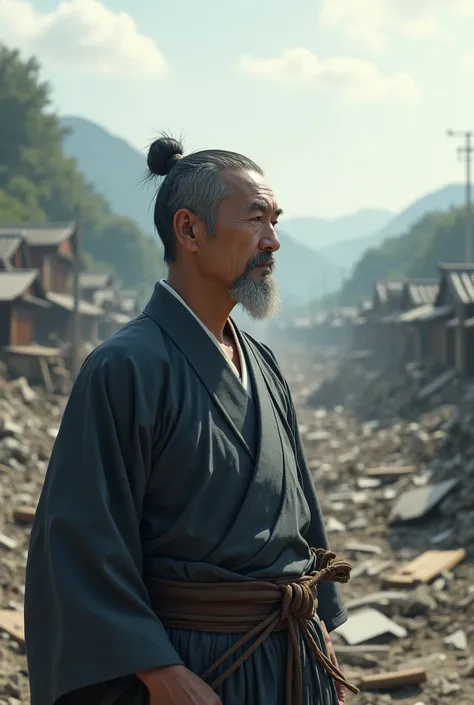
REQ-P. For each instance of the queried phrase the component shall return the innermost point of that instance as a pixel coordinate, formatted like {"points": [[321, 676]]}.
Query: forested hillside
{"points": [[437, 237], [39, 183]]}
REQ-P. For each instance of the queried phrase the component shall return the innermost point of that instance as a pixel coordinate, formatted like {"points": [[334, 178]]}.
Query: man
{"points": [[171, 556]]}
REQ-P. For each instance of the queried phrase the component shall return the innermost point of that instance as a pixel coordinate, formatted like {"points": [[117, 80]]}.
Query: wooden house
{"points": [[92, 282], [48, 248], [119, 306], [60, 323], [22, 301], [455, 340], [417, 301], [386, 338], [129, 302], [14, 253]]}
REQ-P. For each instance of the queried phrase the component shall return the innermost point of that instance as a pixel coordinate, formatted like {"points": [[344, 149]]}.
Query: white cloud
{"points": [[372, 22], [83, 35], [358, 80]]}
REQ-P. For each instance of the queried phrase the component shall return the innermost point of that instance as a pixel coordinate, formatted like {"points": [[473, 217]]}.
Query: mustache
{"points": [[261, 258]]}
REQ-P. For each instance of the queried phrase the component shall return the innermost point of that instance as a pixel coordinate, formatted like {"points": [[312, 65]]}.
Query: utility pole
{"points": [[465, 153], [76, 323]]}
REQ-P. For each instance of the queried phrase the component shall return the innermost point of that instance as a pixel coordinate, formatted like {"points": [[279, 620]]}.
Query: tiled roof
{"points": [[14, 283], [101, 296], [91, 280], [460, 281], [387, 296], [389, 291], [462, 286], [40, 235], [8, 245], [67, 302], [422, 292]]}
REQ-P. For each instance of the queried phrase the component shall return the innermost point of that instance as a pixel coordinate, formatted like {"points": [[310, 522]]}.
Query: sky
{"points": [[344, 103]]}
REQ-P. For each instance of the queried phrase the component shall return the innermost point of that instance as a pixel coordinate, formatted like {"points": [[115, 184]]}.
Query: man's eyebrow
{"points": [[259, 204]]}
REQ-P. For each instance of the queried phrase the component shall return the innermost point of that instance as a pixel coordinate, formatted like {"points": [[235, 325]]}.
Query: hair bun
{"points": [[162, 154]]}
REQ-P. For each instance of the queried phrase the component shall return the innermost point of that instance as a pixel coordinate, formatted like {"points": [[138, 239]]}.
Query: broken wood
{"points": [[425, 567], [372, 649], [24, 515], [12, 623], [45, 373], [356, 547], [366, 656], [394, 471], [395, 679]]}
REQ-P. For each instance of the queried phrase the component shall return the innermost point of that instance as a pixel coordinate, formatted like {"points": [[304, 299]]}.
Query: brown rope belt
{"points": [[256, 609]]}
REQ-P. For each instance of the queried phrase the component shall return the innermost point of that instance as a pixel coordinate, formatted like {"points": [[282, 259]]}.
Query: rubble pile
{"points": [[398, 500], [340, 383], [383, 394], [29, 420]]}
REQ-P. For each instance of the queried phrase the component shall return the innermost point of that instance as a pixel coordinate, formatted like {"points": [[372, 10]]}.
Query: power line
{"points": [[465, 153]]}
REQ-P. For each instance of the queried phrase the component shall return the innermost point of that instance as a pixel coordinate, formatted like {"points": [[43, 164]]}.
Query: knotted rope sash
{"points": [[256, 609]]}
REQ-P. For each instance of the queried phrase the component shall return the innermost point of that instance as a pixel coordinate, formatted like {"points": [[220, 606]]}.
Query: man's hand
{"points": [[177, 685], [340, 690]]}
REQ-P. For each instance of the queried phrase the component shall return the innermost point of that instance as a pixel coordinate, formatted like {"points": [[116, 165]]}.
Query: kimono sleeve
{"points": [[88, 618]]}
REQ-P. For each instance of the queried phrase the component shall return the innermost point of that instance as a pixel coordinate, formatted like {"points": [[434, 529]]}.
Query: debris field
{"points": [[397, 491]]}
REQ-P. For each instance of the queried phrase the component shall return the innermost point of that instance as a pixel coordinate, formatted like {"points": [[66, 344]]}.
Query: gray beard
{"points": [[259, 298]]}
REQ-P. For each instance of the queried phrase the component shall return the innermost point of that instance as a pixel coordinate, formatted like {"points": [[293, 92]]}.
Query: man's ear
{"points": [[189, 230]]}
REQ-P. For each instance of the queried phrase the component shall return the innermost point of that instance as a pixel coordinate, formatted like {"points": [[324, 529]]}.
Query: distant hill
{"points": [[441, 200], [116, 170], [321, 232], [436, 237], [114, 167], [347, 253]]}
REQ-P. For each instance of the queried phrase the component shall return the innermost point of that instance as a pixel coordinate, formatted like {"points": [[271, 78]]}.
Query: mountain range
{"points": [[316, 253], [348, 252], [318, 233]]}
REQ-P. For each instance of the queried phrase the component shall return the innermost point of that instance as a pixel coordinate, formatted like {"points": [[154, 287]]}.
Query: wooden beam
{"points": [[393, 680]]}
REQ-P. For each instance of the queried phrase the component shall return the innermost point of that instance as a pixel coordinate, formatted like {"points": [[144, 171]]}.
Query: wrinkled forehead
{"points": [[250, 190]]}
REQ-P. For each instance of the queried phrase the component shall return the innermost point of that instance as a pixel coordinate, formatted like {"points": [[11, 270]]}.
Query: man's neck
{"points": [[208, 302]]}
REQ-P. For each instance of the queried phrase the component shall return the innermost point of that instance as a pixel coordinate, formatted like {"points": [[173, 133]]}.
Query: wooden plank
{"points": [[425, 567], [48, 382], [372, 649], [394, 471], [393, 680], [12, 623], [24, 515]]}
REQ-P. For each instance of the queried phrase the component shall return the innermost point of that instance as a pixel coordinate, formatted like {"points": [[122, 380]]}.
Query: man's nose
{"points": [[270, 242]]}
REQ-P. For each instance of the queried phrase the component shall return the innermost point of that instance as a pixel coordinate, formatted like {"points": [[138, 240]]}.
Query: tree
{"points": [[39, 183], [436, 237]]}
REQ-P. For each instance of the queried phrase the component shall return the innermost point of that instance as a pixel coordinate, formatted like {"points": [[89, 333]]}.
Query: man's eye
{"points": [[258, 218]]}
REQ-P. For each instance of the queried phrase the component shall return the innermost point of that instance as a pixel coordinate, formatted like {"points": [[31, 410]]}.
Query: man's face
{"points": [[240, 256]]}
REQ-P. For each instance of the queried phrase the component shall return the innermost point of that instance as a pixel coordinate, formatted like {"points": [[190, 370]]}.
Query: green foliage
{"points": [[435, 238], [39, 183]]}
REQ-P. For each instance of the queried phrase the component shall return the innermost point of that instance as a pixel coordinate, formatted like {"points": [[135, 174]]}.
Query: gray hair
{"points": [[193, 182]]}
